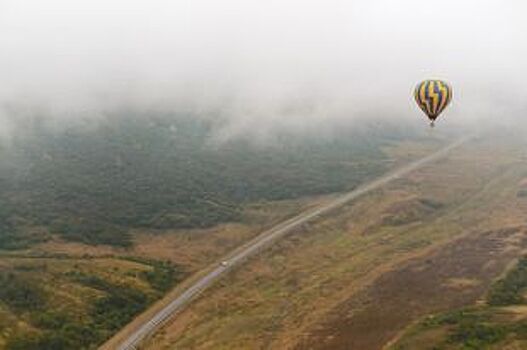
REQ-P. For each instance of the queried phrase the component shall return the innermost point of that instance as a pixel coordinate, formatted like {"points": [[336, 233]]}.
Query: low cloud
{"points": [[259, 64]]}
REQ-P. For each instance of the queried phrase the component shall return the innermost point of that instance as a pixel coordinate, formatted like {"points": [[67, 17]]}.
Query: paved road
{"points": [[265, 239]]}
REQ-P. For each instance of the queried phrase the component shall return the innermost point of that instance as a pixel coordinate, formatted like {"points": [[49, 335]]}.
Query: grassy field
{"points": [[63, 302], [293, 295], [499, 322], [191, 248], [66, 295]]}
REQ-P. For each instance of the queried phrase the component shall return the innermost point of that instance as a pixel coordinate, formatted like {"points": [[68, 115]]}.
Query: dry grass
{"points": [[63, 294], [282, 297], [192, 249], [196, 250]]}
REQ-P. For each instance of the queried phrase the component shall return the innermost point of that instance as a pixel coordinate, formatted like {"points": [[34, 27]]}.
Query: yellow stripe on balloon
{"points": [[444, 96], [422, 97]]}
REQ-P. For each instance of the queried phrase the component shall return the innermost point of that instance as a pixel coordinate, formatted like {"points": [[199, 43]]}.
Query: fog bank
{"points": [[259, 64]]}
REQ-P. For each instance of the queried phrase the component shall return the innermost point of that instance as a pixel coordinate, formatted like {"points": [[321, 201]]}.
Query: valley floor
{"points": [[355, 279]]}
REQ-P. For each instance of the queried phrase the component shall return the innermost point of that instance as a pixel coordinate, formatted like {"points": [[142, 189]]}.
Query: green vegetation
{"points": [[58, 332], [107, 300], [93, 183], [162, 275], [484, 327], [510, 290], [477, 335], [19, 294], [468, 329]]}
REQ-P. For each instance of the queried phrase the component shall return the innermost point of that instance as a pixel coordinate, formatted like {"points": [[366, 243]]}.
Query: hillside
{"points": [[356, 278], [498, 322], [93, 183], [100, 219]]}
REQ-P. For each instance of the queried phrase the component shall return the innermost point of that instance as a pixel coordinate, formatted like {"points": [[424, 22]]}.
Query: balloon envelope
{"points": [[433, 96]]}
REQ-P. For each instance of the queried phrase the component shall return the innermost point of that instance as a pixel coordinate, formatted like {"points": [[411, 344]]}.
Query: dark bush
{"points": [[20, 294], [509, 290]]}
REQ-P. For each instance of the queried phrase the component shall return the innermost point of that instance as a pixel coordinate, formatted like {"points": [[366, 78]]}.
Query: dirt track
{"points": [[455, 275]]}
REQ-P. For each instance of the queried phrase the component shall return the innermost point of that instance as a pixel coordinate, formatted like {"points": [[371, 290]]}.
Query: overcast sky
{"points": [[262, 60]]}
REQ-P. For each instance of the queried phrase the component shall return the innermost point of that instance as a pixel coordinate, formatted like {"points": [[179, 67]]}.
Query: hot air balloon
{"points": [[433, 96]]}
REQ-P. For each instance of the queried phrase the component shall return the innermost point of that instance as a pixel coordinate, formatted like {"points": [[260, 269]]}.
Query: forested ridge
{"points": [[93, 183]]}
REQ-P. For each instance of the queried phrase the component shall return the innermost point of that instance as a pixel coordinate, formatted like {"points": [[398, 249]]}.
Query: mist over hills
{"points": [[93, 182]]}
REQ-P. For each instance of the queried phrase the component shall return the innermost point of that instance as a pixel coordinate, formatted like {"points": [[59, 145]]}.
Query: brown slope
{"points": [[455, 275]]}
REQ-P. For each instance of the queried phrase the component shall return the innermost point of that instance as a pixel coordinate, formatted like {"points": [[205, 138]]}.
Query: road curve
{"points": [[265, 239]]}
